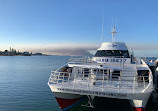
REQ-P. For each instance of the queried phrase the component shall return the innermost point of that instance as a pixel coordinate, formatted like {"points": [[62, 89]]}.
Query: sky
{"points": [[72, 27]]}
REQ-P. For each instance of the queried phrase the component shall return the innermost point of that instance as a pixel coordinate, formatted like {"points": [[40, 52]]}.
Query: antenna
{"points": [[113, 33], [102, 29]]}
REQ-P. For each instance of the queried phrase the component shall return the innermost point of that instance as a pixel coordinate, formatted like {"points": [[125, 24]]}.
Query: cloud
{"points": [[150, 50], [145, 46], [61, 49], [83, 49]]}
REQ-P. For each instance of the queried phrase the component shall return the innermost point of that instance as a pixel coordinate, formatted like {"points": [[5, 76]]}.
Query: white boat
{"points": [[112, 73]]}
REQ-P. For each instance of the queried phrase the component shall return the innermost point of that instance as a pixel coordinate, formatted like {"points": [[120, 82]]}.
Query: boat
{"points": [[113, 72], [152, 63]]}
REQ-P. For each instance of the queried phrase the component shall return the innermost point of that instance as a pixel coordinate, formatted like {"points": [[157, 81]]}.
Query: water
{"points": [[23, 84]]}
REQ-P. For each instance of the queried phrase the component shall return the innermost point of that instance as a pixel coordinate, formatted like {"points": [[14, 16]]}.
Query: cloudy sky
{"points": [[73, 27]]}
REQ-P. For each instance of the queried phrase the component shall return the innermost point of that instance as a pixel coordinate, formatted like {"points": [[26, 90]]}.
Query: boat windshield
{"points": [[112, 53]]}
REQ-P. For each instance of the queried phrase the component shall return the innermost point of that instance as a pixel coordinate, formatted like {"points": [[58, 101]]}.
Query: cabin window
{"points": [[112, 53]]}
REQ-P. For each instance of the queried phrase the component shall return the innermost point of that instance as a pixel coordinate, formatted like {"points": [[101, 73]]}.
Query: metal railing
{"points": [[105, 80], [78, 60], [91, 61]]}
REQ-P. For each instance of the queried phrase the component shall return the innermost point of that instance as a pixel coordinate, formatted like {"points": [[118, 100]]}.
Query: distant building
{"points": [[26, 53], [14, 52], [38, 53], [6, 52]]}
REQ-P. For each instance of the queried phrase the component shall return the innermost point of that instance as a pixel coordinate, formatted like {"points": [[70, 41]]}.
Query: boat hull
{"points": [[68, 101], [71, 102]]}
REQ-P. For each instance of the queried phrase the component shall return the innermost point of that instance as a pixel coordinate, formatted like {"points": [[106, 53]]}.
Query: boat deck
{"points": [[116, 86], [114, 78]]}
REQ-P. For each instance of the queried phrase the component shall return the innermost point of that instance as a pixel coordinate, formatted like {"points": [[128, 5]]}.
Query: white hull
{"points": [[137, 100]]}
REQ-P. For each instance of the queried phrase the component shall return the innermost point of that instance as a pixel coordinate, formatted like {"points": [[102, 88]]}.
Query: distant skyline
{"points": [[75, 26]]}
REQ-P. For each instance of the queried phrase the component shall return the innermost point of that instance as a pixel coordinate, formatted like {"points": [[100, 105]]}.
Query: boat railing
{"points": [[78, 59], [90, 81], [59, 77], [90, 61]]}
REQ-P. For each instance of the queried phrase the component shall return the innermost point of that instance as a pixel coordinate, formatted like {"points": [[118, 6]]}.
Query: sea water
{"points": [[23, 84]]}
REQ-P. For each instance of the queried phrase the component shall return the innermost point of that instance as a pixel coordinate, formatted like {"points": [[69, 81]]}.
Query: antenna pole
{"points": [[102, 29], [113, 34]]}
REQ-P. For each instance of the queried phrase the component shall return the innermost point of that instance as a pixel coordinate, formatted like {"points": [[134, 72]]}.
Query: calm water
{"points": [[23, 84]]}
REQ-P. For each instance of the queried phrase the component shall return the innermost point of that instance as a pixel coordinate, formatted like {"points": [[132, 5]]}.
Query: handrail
{"points": [[62, 77], [88, 59], [87, 71]]}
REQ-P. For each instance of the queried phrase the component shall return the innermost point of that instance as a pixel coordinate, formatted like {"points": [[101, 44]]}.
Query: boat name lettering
{"points": [[111, 60], [92, 92]]}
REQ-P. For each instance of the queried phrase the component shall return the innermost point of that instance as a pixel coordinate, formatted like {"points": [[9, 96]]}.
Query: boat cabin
{"points": [[109, 51]]}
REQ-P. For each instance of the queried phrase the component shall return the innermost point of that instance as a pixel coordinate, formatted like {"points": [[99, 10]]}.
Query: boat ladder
{"points": [[90, 102]]}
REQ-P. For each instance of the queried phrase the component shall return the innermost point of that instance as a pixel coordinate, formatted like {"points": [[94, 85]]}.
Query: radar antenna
{"points": [[113, 34], [102, 29]]}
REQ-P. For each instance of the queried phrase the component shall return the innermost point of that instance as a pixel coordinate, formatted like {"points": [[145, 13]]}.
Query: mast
{"points": [[113, 34], [102, 29]]}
